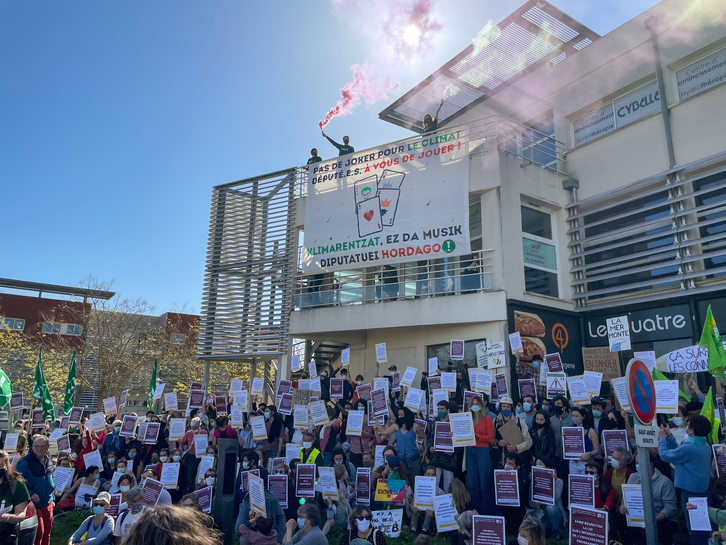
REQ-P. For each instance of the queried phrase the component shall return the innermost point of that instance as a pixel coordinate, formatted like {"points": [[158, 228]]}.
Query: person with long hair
{"points": [[406, 431], [91, 479], [552, 516], [360, 526], [444, 462], [172, 525], [222, 429], [431, 123], [459, 495], [543, 438], [479, 472], [13, 492], [583, 419]]}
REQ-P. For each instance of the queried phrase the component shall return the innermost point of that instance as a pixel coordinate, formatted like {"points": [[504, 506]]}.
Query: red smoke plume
{"points": [[362, 87]]}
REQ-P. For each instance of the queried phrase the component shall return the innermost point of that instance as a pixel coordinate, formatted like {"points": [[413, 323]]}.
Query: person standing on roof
{"points": [[314, 157], [430, 124], [344, 148]]}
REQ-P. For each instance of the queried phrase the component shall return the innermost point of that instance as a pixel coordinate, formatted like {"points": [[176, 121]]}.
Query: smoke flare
{"points": [[362, 87]]}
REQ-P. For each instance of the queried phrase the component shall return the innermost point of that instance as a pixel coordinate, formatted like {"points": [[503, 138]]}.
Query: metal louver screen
{"points": [[248, 275]]}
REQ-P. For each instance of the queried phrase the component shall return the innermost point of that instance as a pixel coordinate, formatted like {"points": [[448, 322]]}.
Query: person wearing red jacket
{"points": [[479, 471]]}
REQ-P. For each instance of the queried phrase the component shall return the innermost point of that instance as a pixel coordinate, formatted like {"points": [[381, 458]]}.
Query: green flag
{"points": [[711, 340], [41, 392], [152, 386], [6, 389], [709, 412], [70, 387]]}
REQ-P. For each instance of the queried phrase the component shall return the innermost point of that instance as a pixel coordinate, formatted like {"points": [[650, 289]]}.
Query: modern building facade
{"points": [[597, 188]]}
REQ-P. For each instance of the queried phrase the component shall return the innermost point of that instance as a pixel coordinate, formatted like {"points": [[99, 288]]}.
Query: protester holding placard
{"points": [[328, 434], [444, 462], [479, 471], [515, 513], [190, 460], [692, 462], [114, 441], [91, 480], [276, 432], [274, 514], [551, 516], [363, 442], [429, 513], [581, 418], [619, 472], [406, 432], [128, 517], [665, 506], [519, 429], [561, 419]]}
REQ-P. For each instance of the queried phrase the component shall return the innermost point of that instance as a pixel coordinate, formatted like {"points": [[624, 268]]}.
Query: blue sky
{"points": [[117, 118]]}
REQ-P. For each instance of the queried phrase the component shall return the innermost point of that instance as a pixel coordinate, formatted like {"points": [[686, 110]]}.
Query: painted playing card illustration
{"points": [[369, 217]]}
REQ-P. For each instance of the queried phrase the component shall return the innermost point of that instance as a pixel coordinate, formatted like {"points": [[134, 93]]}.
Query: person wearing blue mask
{"points": [[444, 462], [529, 407], [505, 416], [306, 528], [598, 407], [114, 441], [692, 462], [97, 528]]}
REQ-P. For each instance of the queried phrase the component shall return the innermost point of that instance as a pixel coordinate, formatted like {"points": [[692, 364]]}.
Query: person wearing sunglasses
{"points": [[96, 529], [308, 527], [360, 522]]}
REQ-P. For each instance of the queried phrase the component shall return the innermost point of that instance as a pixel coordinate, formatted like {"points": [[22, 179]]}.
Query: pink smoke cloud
{"points": [[363, 87]]}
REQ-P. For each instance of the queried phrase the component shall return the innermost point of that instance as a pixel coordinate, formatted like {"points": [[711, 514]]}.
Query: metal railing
{"points": [[469, 273], [492, 133]]}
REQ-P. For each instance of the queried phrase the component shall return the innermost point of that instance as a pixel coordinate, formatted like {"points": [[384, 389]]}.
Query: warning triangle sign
{"points": [[555, 385]]}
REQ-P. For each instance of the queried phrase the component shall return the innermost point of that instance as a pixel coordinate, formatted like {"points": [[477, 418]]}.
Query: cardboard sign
{"points": [[506, 488], [388, 522], [543, 485], [277, 484], [128, 426], [588, 526], [582, 490], [363, 486], [601, 360]]}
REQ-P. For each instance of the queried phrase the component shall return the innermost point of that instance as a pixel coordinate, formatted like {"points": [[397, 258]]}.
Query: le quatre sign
{"points": [[394, 204], [655, 324]]}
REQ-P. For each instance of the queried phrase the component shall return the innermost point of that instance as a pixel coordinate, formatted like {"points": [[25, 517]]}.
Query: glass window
{"points": [[539, 144], [541, 282], [48, 327], [441, 351], [536, 222]]}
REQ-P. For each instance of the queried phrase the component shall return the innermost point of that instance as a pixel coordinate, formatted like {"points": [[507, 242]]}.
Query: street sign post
{"points": [[641, 396]]}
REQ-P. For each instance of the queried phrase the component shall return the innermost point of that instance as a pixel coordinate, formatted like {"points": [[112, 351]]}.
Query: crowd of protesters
{"points": [[400, 445]]}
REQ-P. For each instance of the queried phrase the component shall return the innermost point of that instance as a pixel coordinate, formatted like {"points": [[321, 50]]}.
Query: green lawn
{"points": [[64, 529]]}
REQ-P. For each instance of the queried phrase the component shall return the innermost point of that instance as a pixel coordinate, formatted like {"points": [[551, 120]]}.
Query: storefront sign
{"points": [[637, 105], [653, 324], [702, 75], [594, 125]]}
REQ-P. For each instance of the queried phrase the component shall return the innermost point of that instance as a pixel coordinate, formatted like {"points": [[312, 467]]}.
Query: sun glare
{"points": [[412, 34]]}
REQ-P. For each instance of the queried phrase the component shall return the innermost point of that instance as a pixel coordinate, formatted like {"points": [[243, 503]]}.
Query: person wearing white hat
{"points": [[506, 404], [97, 528]]}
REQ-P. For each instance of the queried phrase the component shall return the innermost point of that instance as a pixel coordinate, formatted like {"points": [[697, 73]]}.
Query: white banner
{"points": [[404, 202]]}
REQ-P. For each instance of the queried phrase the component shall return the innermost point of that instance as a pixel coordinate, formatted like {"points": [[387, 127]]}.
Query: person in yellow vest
{"points": [[309, 454]]}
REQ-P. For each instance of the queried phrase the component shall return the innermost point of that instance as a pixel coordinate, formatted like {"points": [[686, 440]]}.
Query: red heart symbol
{"points": [[368, 215]]}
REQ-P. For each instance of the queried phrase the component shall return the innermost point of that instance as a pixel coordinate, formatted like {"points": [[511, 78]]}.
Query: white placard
{"points": [[666, 396], [296, 365], [515, 343], [328, 485], [448, 381], [313, 369], [433, 366], [63, 478], [300, 416], [236, 416], [201, 442], [170, 474], [98, 422], [445, 513], [699, 516], [482, 362], [633, 499], [413, 399], [241, 400], [318, 413], [593, 382], [177, 427], [618, 333], [424, 492], [292, 451], [408, 376], [315, 385], [257, 385], [257, 494], [484, 382], [11, 442], [462, 428], [496, 354], [355, 423], [171, 402], [259, 431], [621, 392], [648, 358], [345, 357], [93, 458], [381, 356], [109, 405], [159, 391]]}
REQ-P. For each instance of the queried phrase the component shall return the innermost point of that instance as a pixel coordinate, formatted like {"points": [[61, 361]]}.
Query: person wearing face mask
{"points": [[363, 442], [344, 148], [123, 485], [444, 462], [250, 462], [619, 472], [276, 432], [692, 462], [529, 407], [466, 527], [175, 457], [479, 471], [114, 441], [582, 419], [561, 418], [109, 466], [360, 527], [162, 459], [339, 460], [210, 479], [92, 479], [165, 497], [308, 453], [499, 442], [407, 432], [597, 406], [359, 381], [531, 532], [95, 529], [190, 460], [129, 516], [306, 529], [543, 439]]}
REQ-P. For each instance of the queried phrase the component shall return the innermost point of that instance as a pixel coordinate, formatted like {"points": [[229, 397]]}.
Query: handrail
{"points": [[412, 280]]}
